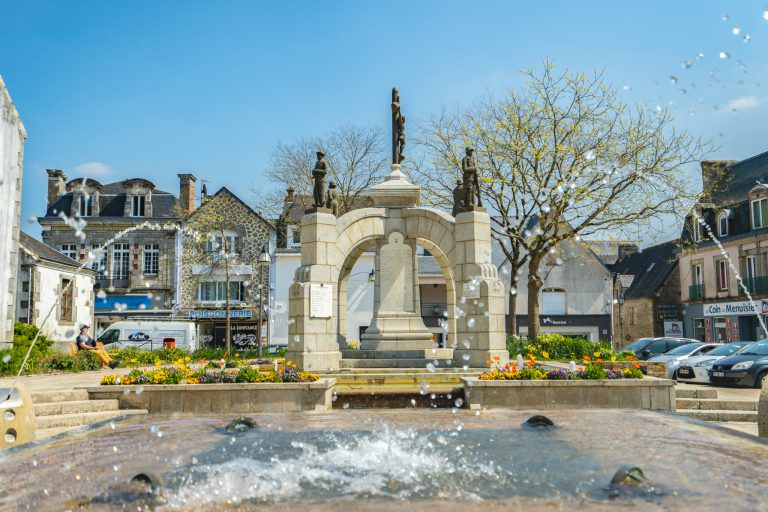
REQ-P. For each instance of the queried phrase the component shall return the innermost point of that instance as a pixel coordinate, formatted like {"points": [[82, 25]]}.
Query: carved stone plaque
{"points": [[396, 275], [320, 300]]}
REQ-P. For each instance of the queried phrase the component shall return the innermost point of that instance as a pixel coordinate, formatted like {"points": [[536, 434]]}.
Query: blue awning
{"points": [[127, 302]]}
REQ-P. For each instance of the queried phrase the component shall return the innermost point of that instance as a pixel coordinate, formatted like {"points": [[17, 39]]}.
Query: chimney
{"points": [[57, 185], [626, 250], [714, 175], [187, 192]]}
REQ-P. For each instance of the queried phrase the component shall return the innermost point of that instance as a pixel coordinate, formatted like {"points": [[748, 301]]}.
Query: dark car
{"points": [[747, 368], [646, 348]]}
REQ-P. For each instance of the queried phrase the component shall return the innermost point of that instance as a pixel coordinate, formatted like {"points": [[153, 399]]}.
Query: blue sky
{"points": [[148, 89]]}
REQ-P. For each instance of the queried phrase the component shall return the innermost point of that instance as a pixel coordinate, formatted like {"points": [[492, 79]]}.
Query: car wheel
{"points": [[760, 380]]}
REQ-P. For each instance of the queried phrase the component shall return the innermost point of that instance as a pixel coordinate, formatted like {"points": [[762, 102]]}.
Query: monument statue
{"points": [[458, 198], [398, 129], [318, 173], [471, 184], [332, 201]]}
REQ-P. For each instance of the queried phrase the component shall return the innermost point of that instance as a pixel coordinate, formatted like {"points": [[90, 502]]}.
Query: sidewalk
{"points": [[58, 381]]}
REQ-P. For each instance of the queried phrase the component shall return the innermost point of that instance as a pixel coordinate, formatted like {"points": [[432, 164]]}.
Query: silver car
{"points": [[696, 368], [674, 356]]}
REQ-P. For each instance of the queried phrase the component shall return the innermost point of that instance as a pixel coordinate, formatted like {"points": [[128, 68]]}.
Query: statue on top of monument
{"points": [[318, 173], [458, 198], [332, 201], [469, 175], [398, 129]]}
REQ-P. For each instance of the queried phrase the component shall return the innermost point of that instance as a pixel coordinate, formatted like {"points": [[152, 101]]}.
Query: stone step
{"points": [[75, 406], [696, 393], [393, 363], [43, 433], [387, 379], [723, 405], [84, 418], [720, 415], [58, 395], [400, 399], [433, 353]]}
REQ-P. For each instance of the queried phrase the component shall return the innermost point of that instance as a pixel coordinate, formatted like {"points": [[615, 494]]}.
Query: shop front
{"points": [[725, 322], [592, 327], [243, 328]]}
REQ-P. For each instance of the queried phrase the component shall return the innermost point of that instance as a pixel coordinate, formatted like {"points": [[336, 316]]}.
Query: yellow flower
{"points": [[187, 358], [158, 362], [134, 360], [545, 354], [613, 358], [597, 354]]}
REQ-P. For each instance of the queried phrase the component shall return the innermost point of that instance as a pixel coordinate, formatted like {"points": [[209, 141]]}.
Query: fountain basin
{"points": [[166, 399], [648, 393], [426, 460]]}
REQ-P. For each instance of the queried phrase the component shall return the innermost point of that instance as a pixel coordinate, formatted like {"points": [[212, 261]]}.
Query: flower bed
{"points": [[561, 348], [533, 371]]}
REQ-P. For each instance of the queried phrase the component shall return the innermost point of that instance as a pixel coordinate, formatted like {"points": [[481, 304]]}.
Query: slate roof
{"points": [[651, 268], [112, 197], [743, 175], [45, 252], [225, 190]]}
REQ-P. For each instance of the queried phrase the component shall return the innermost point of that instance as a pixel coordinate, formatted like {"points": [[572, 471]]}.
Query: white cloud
{"points": [[742, 103], [89, 169]]}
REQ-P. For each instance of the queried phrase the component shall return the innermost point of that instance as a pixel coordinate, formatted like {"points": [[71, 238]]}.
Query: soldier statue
{"points": [[458, 198], [398, 129], [332, 202], [318, 173], [471, 184]]}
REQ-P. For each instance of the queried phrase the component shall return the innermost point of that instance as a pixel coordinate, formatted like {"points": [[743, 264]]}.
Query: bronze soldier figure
{"points": [[332, 202], [318, 173], [398, 129], [469, 175], [458, 199]]}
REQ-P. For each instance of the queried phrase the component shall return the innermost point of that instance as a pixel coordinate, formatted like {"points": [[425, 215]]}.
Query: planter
{"points": [[647, 393], [162, 399]]}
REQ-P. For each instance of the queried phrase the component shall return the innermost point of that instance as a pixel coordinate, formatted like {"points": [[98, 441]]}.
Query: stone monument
{"points": [[397, 335]]}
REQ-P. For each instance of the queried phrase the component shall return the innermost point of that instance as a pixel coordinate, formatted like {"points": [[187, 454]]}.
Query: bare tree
{"points": [[561, 159], [357, 159]]}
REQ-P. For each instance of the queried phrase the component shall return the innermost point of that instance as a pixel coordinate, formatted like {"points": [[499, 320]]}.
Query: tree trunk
{"points": [[535, 283]]}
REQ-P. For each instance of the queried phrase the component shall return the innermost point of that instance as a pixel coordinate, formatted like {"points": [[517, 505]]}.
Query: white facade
{"points": [[12, 136]]}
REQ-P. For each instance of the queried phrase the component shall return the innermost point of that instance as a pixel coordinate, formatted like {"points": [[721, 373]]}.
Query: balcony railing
{"points": [[696, 292], [756, 286]]}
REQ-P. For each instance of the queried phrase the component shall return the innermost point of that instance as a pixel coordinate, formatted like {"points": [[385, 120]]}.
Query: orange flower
{"points": [[632, 358], [637, 366], [599, 360], [496, 358], [201, 360], [585, 357]]}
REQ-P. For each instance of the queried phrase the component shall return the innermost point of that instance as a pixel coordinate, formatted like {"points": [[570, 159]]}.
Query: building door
{"points": [[721, 330], [699, 329], [747, 328]]}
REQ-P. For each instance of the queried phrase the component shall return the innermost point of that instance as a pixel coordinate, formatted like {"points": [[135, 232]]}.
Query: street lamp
{"points": [[263, 261], [620, 302]]}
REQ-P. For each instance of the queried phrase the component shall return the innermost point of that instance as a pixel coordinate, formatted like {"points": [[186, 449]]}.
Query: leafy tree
{"points": [[561, 158]]}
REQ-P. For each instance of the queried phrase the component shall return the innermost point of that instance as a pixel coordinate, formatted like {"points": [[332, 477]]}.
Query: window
{"points": [[697, 275], [98, 258], [751, 268], [85, 206], [217, 246], [69, 250], [25, 286], [216, 291], [151, 259], [293, 237], [65, 302], [137, 206], [552, 302], [722, 224], [120, 254], [696, 229], [699, 328], [722, 275], [759, 213]]}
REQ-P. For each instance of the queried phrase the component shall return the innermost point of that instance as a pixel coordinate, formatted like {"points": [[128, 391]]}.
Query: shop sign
{"points": [[552, 321], [735, 308], [673, 328], [204, 314]]}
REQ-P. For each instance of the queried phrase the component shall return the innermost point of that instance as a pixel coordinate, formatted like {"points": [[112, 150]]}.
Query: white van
{"points": [[149, 334]]}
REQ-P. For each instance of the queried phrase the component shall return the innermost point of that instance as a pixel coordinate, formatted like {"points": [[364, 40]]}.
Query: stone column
{"points": [[312, 342], [480, 328]]}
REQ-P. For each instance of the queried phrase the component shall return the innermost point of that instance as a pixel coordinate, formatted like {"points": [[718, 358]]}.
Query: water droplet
{"points": [[589, 155], [725, 55], [413, 402], [345, 405], [765, 13], [465, 368], [736, 30], [513, 291], [471, 323], [430, 367], [6, 358], [687, 64], [116, 468], [700, 55], [673, 79], [747, 38], [423, 388], [626, 87], [459, 402], [725, 17], [9, 415], [466, 357]]}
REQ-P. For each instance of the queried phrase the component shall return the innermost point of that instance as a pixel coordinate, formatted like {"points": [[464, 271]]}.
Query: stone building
{"points": [[733, 208], [224, 234], [49, 279], [647, 291], [136, 271], [12, 137]]}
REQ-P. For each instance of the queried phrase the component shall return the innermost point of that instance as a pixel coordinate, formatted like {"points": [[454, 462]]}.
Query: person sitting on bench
{"points": [[85, 342]]}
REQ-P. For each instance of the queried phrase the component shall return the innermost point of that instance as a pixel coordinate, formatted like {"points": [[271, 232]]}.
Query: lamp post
{"points": [[620, 302], [263, 261]]}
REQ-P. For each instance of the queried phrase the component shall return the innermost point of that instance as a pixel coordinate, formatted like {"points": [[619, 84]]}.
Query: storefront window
{"points": [[699, 329], [216, 291]]}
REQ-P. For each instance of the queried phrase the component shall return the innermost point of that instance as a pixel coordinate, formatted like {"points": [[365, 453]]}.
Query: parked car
{"points": [[149, 334], [747, 368], [646, 348], [696, 368], [673, 357]]}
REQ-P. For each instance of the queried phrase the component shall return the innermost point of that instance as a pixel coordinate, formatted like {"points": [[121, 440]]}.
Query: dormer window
{"points": [[138, 205], [722, 224], [696, 229], [85, 206], [759, 213]]}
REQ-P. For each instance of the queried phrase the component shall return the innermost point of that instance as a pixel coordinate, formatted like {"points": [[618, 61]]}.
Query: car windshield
{"points": [[727, 349], [758, 349], [683, 349], [638, 345]]}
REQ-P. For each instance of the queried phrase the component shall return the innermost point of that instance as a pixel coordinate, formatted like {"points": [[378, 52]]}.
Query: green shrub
{"points": [[81, 362], [594, 372], [558, 347], [11, 359]]}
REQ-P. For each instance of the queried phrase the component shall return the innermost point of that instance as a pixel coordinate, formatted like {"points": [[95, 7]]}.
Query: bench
{"points": [[73, 347]]}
